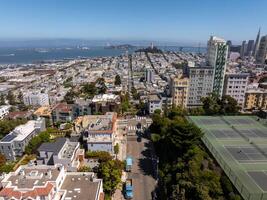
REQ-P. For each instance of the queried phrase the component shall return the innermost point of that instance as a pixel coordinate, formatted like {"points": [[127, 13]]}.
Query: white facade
{"points": [[36, 99], [154, 103], [200, 84], [235, 85], [149, 75], [4, 110], [14, 143], [216, 58]]}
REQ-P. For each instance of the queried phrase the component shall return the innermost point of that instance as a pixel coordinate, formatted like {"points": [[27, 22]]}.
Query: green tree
{"points": [[229, 105], [89, 89], [84, 169], [11, 98], [7, 125], [117, 80], [102, 156], [36, 141], [20, 98], [101, 86], [116, 149], [69, 97], [110, 172], [2, 100], [2, 159], [211, 104], [135, 94]]}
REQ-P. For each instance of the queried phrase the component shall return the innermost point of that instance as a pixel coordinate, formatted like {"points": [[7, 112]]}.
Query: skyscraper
{"points": [[250, 48], [262, 52], [243, 49], [216, 58], [257, 42]]}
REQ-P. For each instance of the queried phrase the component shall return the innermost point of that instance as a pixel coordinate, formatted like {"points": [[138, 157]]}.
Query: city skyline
{"points": [[186, 22]]}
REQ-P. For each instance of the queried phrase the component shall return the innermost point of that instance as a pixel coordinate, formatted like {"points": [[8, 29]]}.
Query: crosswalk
{"points": [[138, 118], [132, 128]]}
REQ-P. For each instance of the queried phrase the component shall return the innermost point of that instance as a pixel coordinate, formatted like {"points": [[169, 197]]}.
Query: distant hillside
{"points": [[122, 46], [150, 50]]}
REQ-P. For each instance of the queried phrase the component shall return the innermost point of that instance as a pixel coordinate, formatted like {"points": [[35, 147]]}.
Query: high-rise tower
{"points": [[216, 58], [257, 42]]}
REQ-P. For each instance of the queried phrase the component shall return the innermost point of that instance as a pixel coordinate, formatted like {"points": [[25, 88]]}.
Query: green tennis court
{"points": [[239, 144]]}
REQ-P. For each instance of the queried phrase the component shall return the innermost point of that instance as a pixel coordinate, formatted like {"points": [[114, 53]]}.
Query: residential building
{"points": [[179, 86], [44, 182], [149, 76], [44, 112], [235, 85], [97, 131], [13, 144], [4, 110], [62, 112], [154, 103], [36, 98], [262, 52], [62, 151], [216, 58], [103, 103], [255, 99], [200, 84], [82, 107]]}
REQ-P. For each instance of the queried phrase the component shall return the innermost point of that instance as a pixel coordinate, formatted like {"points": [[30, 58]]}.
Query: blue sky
{"points": [[189, 21]]}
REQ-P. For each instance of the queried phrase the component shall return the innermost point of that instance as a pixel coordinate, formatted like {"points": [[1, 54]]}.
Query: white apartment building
{"points": [[216, 58], [4, 110], [154, 103], [36, 98], [97, 131], [235, 85], [200, 84], [14, 143], [45, 182]]}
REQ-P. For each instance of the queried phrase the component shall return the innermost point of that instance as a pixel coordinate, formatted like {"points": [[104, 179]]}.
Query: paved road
{"points": [[143, 169]]}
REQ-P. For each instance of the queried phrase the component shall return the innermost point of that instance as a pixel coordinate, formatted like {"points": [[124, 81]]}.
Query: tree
{"points": [[8, 125], [11, 98], [84, 169], [110, 172], [102, 156], [2, 159], [89, 89], [20, 97], [69, 97], [2, 100], [117, 80], [211, 104], [101, 86], [178, 146], [229, 105], [36, 141], [135, 94], [116, 149]]}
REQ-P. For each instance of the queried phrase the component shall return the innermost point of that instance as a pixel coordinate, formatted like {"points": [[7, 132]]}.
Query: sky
{"points": [[184, 21]]}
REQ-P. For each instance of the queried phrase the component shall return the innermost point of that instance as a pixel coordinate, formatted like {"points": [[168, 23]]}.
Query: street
{"points": [[143, 171]]}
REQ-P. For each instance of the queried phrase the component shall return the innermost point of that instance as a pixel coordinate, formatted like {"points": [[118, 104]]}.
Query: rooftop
{"points": [[98, 122], [21, 131], [43, 111], [81, 186], [105, 97]]}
